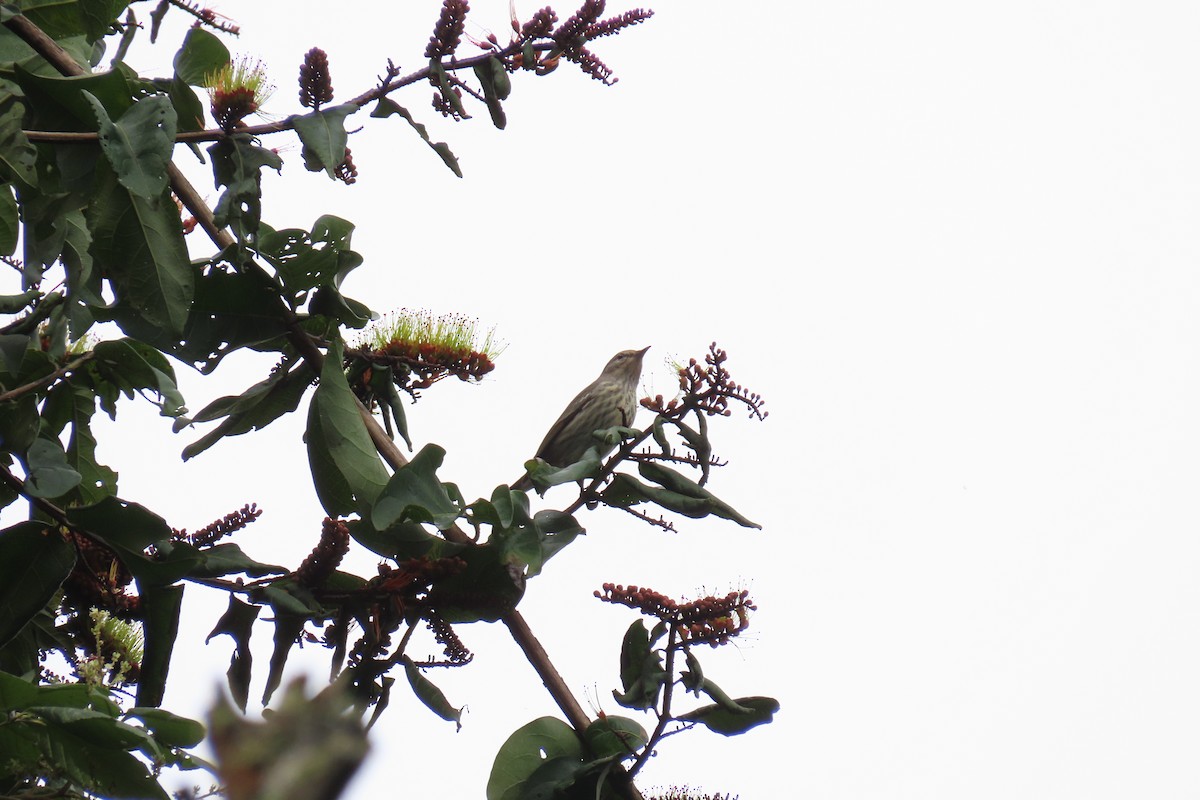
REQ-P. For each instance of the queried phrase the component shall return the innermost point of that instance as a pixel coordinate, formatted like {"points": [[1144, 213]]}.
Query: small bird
{"points": [[608, 401]]}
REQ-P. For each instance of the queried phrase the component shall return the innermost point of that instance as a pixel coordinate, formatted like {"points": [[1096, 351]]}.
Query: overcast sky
{"points": [[955, 247]]}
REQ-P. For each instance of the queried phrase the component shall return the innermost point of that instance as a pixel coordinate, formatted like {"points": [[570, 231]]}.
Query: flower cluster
{"points": [[99, 579], [708, 390], [448, 31], [316, 87], [710, 620], [614, 25], [236, 90], [346, 172], [540, 24], [421, 349], [219, 529], [455, 653], [326, 556], [571, 34]]}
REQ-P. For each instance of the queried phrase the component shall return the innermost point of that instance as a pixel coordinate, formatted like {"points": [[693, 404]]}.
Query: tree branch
{"points": [[191, 199], [12, 394]]}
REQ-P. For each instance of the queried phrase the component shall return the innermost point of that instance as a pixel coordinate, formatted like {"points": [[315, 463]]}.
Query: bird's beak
{"points": [[642, 352]]}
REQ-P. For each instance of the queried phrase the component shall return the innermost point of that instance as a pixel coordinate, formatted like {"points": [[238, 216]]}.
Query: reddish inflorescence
{"points": [[707, 389], [214, 531], [346, 172], [99, 579], [326, 556], [709, 620], [316, 87], [540, 24], [448, 30]]}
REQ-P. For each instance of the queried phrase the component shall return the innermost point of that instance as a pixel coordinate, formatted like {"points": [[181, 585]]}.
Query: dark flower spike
{"points": [[214, 531], [710, 620], [614, 25], [449, 28], [316, 87], [540, 24], [346, 172], [326, 556], [571, 34]]}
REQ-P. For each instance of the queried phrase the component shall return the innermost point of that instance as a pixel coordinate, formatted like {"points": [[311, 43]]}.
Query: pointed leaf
{"points": [[431, 695], [323, 135], [759, 711], [616, 736], [49, 473], [170, 729], [238, 623], [138, 243], [139, 144], [346, 469], [387, 107], [415, 494], [10, 223], [17, 154], [524, 752], [34, 561], [160, 626], [200, 56]]}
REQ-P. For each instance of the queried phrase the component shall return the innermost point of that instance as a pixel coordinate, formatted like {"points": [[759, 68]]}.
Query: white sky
{"points": [[955, 247]]}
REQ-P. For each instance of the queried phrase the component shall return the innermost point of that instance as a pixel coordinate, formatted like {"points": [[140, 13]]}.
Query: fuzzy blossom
{"points": [[236, 90]]}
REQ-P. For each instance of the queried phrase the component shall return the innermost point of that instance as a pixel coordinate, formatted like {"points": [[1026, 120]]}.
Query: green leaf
{"points": [[49, 473], [58, 103], [138, 243], [18, 424], [229, 559], [612, 736], [232, 310], [642, 673], [160, 626], [347, 472], [494, 80], [131, 366], [260, 405], [414, 494], [680, 484], [139, 144], [34, 561], [10, 223], [238, 623], [544, 474], [18, 156], [170, 729], [401, 540], [306, 261], [13, 303], [124, 526], [525, 751], [200, 56], [237, 165], [98, 16], [439, 77], [189, 111], [323, 136], [431, 695], [288, 627], [386, 107], [758, 711]]}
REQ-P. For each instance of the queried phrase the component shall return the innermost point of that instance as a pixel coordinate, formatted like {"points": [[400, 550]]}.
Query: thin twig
{"points": [[13, 394]]}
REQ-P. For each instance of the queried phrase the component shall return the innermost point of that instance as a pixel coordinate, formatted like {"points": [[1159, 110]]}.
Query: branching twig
{"points": [[12, 394]]}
